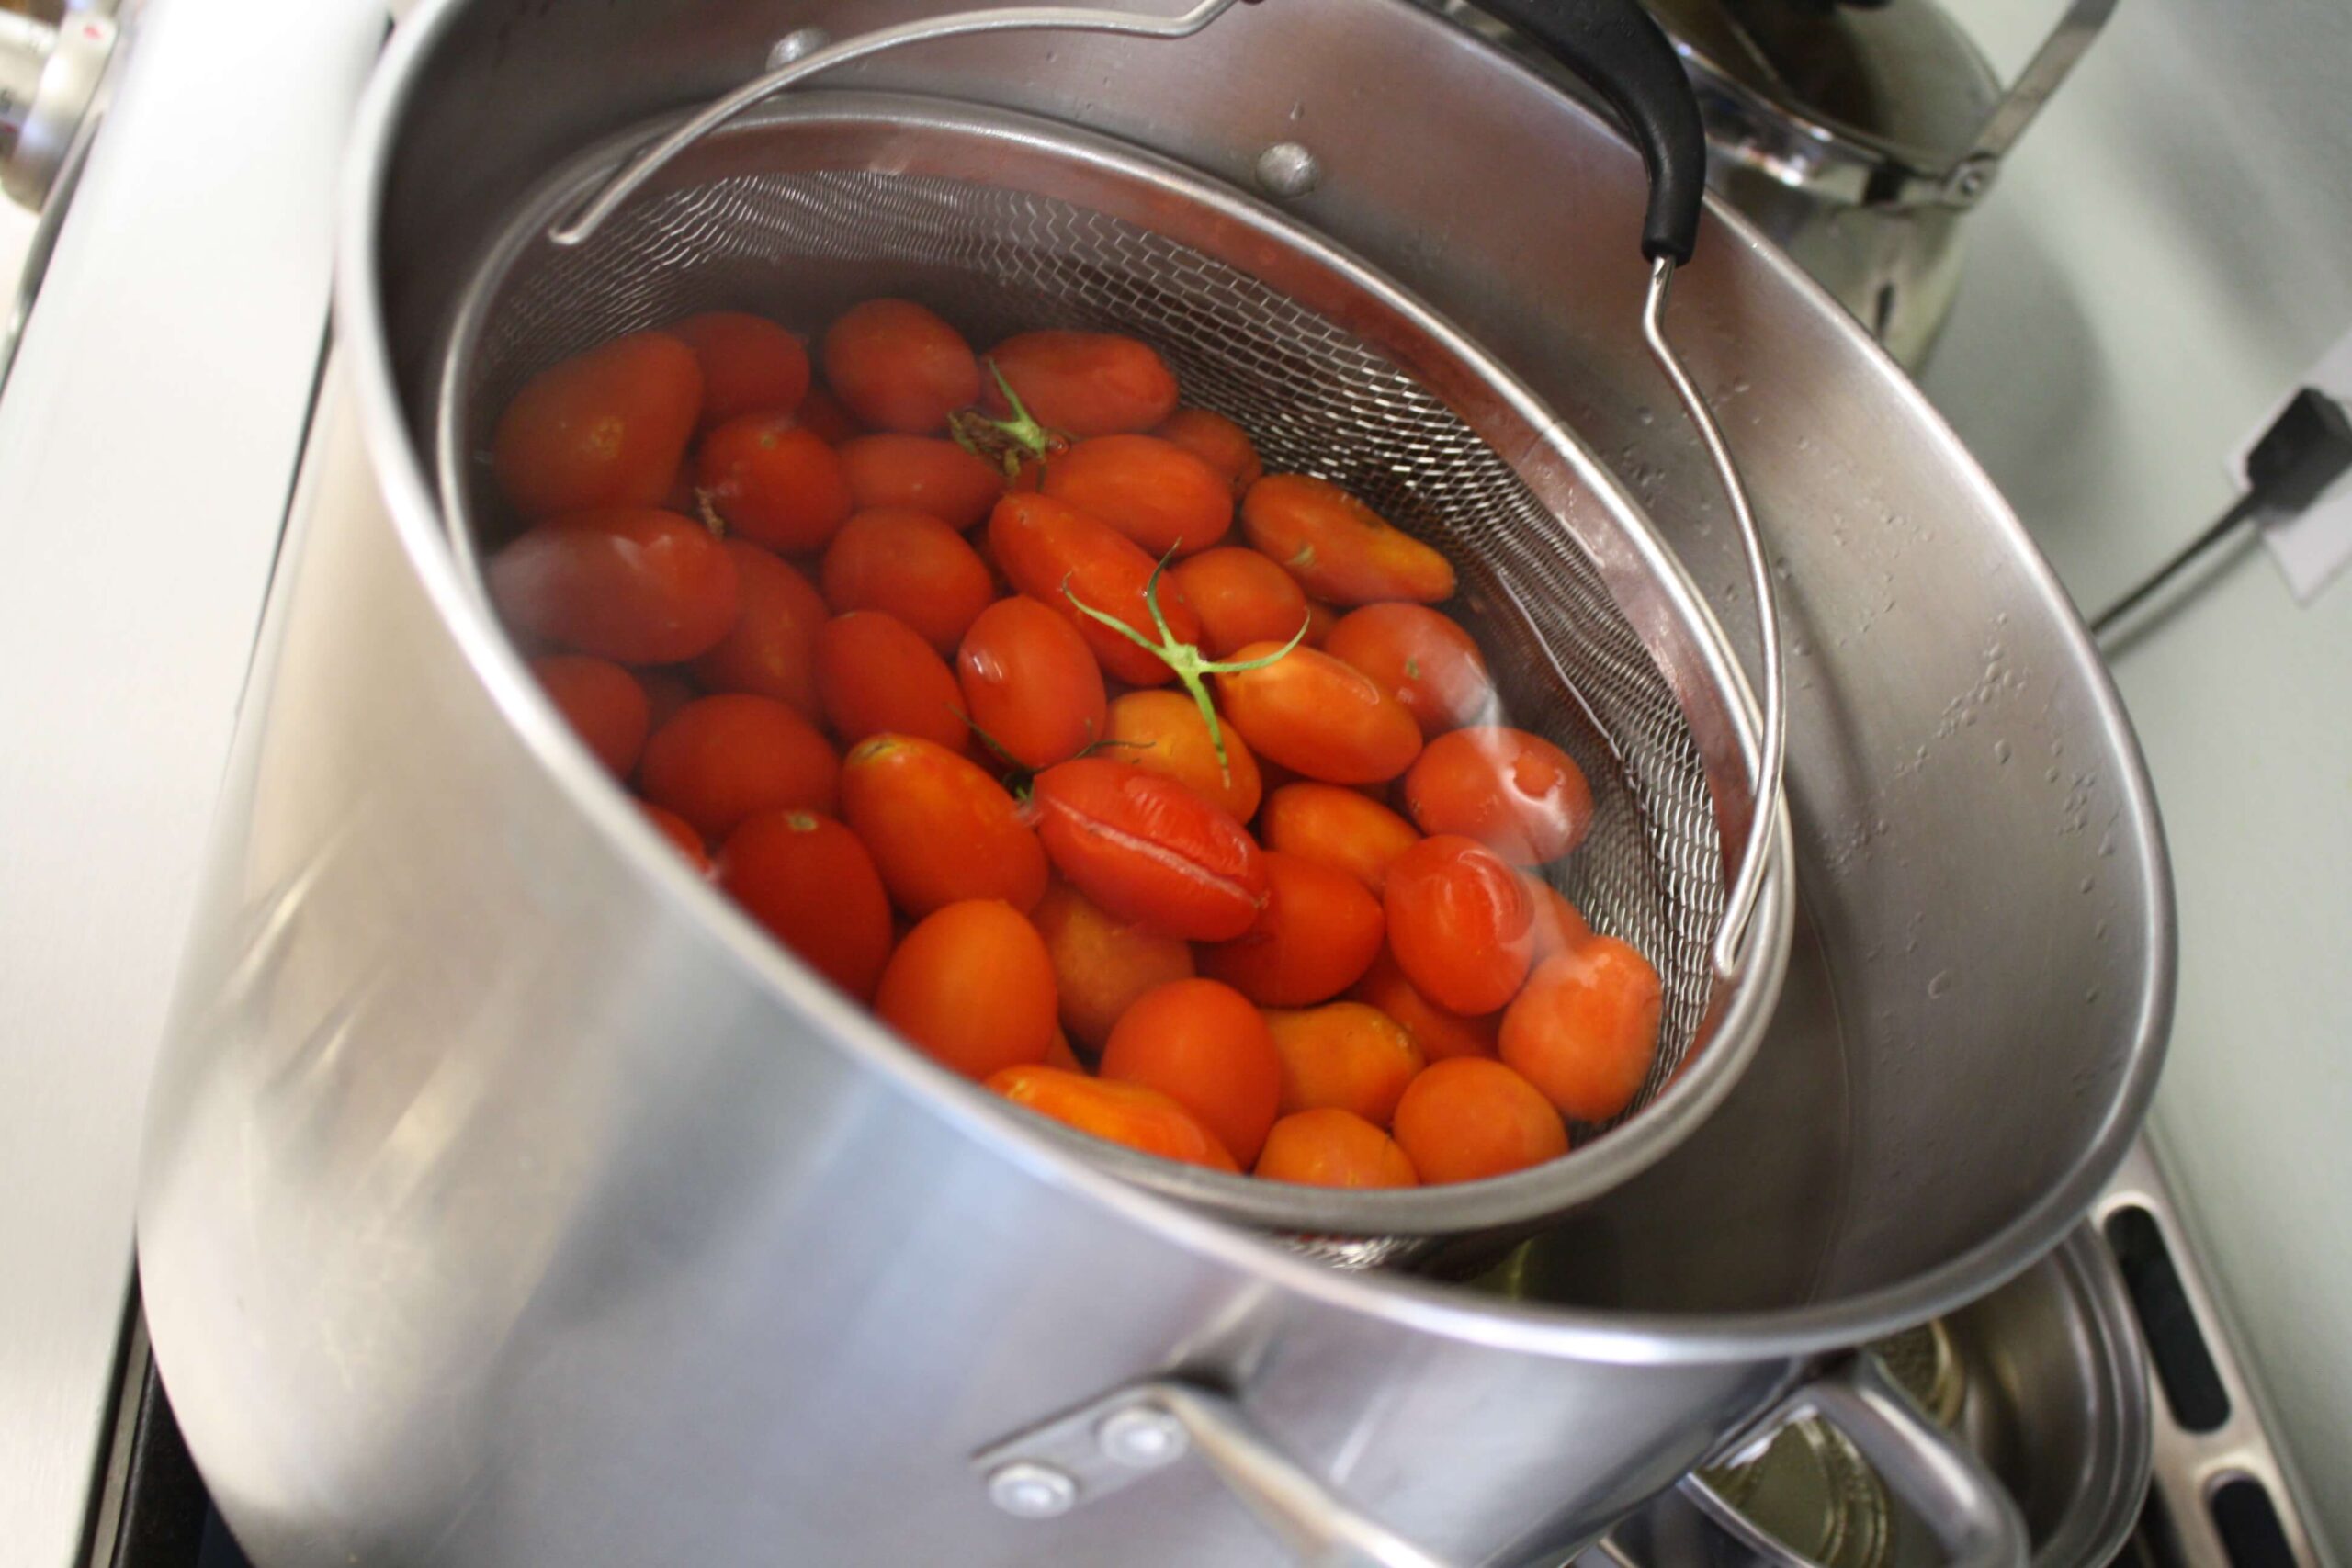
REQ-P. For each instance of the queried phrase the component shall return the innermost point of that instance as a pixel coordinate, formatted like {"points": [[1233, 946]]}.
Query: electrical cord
{"points": [[2305, 450]]}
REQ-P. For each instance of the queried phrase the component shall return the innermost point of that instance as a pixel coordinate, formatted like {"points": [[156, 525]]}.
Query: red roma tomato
{"points": [[1459, 924], [602, 702], [1560, 925], [1585, 1030], [941, 829], [1337, 547], [1343, 1056], [724, 757], [1318, 716], [635, 586], [1241, 598], [681, 833], [1060, 1056], [1101, 964], [910, 565], [665, 693], [1152, 490], [1219, 441], [1150, 851], [1470, 1119], [604, 428], [1317, 934], [1084, 384], [920, 473], [1320, 621], [1516, 793], [811, 883], [748, 364], [821, 415], [1338, 827], [1431, 663], [1123, 1114], [775, 483], [1204, 1046], [1031, 683], [972, 988], [876, 677], [772, 650], [898, 367], [1043, 544], [1442, 1036], [1163, 733], [1333, 1149]]}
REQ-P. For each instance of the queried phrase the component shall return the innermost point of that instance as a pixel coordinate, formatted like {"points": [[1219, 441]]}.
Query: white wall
{"points": [[2169, 250]]}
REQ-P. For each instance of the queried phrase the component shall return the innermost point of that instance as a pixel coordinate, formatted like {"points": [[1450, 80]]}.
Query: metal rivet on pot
{"points": [[1288, 169], [1142, 1436], [1029, 1490], [798, 44]]}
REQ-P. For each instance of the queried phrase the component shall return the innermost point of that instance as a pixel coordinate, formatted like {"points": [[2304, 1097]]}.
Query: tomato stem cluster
{"points": [[1019, 776], [1183, 658], [1005, 444]]}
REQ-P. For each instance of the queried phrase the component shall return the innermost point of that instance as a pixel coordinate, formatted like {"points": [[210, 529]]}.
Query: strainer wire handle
{"points": [[1747, 885]]}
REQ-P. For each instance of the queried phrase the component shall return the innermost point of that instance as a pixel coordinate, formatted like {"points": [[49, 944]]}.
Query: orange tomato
{"points": [[665, 692], [1337, 547], [775, 483], [972, 988], [1459, 924], [1163, 733], [1470, 1119], [1318, 716], [1031, 683], [1216, 440], [1047, 546], [1560, 925], [602, 702], [604, 428], [1204, 1046], [1123, 1114], [632, 585], [1338, 827], [681, 833], [1084, 384], [1150, 851], [1059, 1055], [875, 676], [920, 473], [821, 415], [724, 757], [1317, 934], [1241, 597], [749, 363], [898, 366], [1320, 621], [1516, 793], [912, 566], [1152, 490], [1430, 663], [1333, 1149], [1584, 1030], [811, 883], [1442, 1036], [1343, 1056], [771, 651], [940, 830], [1101, 964]]}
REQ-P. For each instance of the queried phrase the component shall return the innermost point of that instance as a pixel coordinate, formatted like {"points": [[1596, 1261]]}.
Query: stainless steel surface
{"points": [[1005, 223], [511, 1199], [2188, 1464], [48, 79]]}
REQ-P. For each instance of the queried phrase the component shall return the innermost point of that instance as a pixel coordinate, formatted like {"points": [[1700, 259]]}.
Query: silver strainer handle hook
{"points": [[584, 224], [1772, 743]]}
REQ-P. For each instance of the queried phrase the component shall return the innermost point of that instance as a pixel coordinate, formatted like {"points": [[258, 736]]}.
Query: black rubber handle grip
{"points": [[1625, 57]]}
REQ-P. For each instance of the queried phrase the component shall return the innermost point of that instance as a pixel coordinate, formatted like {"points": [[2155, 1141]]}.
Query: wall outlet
{"points": [[2315, 547]]}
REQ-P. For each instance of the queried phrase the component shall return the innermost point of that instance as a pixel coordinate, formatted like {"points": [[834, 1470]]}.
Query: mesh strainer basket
{"points": [[798, 207]]}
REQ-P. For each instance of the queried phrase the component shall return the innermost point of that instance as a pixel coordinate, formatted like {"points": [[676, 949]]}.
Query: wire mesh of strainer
{"points": [[1003, 224]]}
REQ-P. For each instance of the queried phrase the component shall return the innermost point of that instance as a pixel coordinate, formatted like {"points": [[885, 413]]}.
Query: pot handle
{"points": [[1106, 1446]]}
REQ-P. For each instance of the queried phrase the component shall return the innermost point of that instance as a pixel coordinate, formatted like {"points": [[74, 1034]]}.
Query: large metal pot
{"points": [[510, 1199]]}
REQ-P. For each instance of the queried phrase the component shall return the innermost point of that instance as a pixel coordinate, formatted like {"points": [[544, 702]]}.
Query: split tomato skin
{"points": [[898, 367], [1216, 440], [1318, 932], [1241, 598], [1129, 1114], [602, 703], [1318, 716], [1469, 1119], [776, 482], [910, 565], [1516, 793], [633, 585], [940, 830], [1101, 964], [1084, 384], [1461, 925], [1584, 1030], [606, 428], [1154, 492], [1030, 683], [749, 363], [920, 473], [1430, 663], [1053, 552], [771, 650], [1343, 1056], [1340, 549], [972, 988], [811, 883], [876, 676], [724, 757], [1150, 851], [1338, 827], [1331, 1147], [1163, 733], [1204, 1046]]}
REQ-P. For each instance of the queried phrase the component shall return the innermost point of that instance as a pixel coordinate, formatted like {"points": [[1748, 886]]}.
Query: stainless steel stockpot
{"points": [[509, 1198]]}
